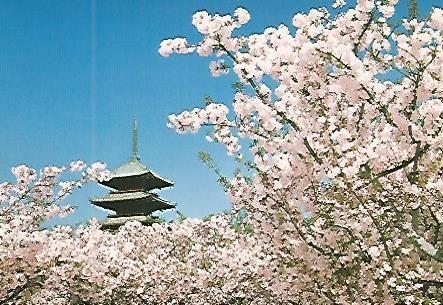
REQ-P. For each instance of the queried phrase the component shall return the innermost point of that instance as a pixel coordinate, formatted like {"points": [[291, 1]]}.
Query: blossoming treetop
{"points": [[344, 119]]}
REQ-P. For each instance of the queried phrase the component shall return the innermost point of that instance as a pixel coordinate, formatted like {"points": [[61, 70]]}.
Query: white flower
{"points": [[177, 45], [76, 166], [338, 3], [374, 252], [426, 246], [242, 15], [218, 68], [98, 172], [51, 171], [23, 173]]}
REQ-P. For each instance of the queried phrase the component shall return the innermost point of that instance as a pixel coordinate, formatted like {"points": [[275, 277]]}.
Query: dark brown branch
{"points": [[398, 167], [429, 283], [403, 164], [365, 28], [437, 227]]}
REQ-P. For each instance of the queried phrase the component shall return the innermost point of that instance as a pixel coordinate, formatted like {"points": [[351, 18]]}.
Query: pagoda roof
{"points": [[133, 175], [132, 203], [131, 168]]}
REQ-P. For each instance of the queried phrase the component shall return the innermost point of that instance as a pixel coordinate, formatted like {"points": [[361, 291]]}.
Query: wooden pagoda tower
{"points": [[131, 196]]}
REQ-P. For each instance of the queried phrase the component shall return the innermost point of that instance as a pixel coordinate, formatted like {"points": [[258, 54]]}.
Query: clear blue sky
{"points": [[74, 74]]}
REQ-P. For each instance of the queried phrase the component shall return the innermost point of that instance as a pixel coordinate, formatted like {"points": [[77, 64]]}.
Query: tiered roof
{"points": [[131, 185], [132, 203]]}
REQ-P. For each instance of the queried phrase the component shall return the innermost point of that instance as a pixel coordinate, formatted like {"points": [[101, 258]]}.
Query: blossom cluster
{"points": [[344, 117], [33, 197], [212, 115], [189, 262]]}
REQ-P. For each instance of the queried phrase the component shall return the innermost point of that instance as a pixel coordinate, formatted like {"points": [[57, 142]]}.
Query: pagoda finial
{"points": [[134, 155], [413, 9]]}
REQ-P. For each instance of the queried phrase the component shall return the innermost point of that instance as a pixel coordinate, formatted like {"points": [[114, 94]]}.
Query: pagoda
{"points": [[131, 196]]}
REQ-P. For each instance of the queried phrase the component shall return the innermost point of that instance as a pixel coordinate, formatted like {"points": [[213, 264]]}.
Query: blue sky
{"points": [[74, 75]]}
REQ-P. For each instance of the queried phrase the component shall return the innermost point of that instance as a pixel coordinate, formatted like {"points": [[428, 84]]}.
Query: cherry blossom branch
{"points": [[419, 153], [366, 27], [281, 114], [377, 225]]}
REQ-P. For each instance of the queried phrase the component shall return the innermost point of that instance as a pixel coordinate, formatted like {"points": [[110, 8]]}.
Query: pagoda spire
{"points": [[413, 9], [134, 155]]}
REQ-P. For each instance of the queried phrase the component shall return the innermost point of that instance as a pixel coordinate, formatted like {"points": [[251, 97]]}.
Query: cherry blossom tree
{"points": [[343, 113], [192, 261], [26, 251]]}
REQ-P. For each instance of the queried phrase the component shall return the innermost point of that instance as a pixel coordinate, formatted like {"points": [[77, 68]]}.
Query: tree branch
{"points": [[281, 114]]}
